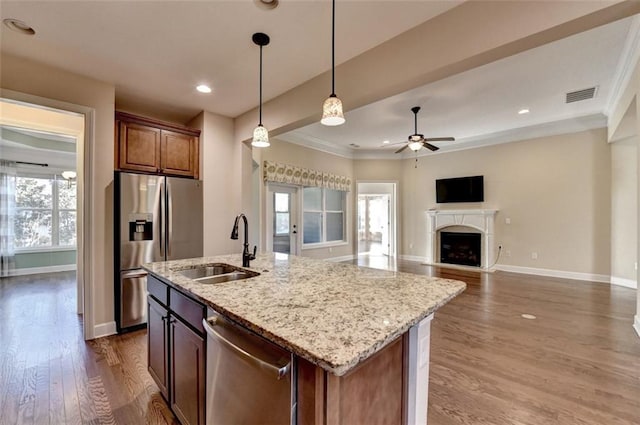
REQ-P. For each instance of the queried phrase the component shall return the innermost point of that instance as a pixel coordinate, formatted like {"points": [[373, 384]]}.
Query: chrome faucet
{"points": [[246, 255]]}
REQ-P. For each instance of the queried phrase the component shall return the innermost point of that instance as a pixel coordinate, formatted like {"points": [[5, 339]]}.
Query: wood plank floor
{"points": [[578, 362]]}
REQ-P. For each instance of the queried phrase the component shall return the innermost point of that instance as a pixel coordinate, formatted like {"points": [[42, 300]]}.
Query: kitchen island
{"points": [[360, 336]]}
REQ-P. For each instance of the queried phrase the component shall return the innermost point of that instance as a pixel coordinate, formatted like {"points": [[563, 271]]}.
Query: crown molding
{"points": [[315, 143], [626, 65]]}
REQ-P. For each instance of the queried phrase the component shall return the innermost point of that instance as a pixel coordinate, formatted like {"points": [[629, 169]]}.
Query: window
{"points": [[281, 205], [323, 215], [45, 212]]}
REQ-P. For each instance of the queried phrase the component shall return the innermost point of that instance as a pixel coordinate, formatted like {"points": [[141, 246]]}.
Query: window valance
{"points": [[290, 174]]}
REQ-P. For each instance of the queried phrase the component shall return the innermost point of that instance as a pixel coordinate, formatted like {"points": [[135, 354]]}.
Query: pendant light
{"points": [[260, 133], [332, 108]]}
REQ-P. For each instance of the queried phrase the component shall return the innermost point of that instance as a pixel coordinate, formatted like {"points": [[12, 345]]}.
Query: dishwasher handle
{"points": [[280, 372]]}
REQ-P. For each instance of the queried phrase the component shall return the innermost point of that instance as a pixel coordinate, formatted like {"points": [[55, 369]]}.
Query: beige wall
{"points": [[220, 172], [624, 222], [39, 80], [289, 153], [555, 190]]}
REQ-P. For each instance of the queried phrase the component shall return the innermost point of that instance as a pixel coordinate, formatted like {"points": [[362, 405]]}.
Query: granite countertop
{"points": [[334, 315]]}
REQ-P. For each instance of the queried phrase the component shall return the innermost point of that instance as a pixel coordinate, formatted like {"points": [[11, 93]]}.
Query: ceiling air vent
{"points": [[578, 95]]}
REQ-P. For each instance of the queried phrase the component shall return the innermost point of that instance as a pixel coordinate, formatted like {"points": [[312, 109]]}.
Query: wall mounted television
{"points": [[460, 189]]}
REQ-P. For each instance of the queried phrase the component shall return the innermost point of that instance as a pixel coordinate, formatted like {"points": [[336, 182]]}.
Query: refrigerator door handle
{"points": [[134, 274], [161, 217], [169, 219]]}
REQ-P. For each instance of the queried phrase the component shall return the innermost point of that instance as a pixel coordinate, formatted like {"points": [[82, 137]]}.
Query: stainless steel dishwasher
{"points": [[249, 379]]}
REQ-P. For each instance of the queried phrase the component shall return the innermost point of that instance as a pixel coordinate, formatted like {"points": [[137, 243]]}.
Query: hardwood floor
{"points": [[578, 362]]}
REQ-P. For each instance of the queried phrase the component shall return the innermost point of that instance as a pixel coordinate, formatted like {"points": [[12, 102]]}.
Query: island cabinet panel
{"points": [[176, 350], [158, 345], [372, 393], [151, 146], [187, 374]]}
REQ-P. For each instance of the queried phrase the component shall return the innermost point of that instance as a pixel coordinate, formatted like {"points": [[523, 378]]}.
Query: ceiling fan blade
{"points": [[430, 146], [440, 139], [402, 148], [393, 144]]}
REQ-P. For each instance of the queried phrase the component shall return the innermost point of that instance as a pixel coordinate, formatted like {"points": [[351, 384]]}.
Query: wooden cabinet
{"points": [[187, 374], [176, 350], [158, 345], [151, 146]]}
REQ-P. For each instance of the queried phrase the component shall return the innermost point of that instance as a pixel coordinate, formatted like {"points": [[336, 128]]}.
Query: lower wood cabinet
{"points": [[187, 373], [158, 345], [176, 351]]}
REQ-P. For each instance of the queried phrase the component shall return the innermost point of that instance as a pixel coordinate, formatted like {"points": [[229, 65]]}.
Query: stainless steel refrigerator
{"points": [[156, 218]]}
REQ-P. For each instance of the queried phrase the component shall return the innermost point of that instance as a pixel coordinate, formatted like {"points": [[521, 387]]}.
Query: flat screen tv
{"points": [[460, 189]]}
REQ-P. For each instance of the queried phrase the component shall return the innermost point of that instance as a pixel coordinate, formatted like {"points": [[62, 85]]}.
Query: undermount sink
{"points": [[217, 273]]}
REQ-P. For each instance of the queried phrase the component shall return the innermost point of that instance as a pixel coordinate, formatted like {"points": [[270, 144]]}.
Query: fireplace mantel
{"points": [[481, 220]]}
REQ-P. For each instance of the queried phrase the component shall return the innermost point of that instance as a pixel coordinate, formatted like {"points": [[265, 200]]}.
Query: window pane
{"points": [[282, 202], [282, 223], [67, 228], [312, 198], [66, 195], [32, 228], [333, 200], [335, 227], [33, 192], [312, 223]]}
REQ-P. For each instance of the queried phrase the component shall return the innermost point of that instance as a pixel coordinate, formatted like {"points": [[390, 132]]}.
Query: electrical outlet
{"points": [[507, 220], [635, 265], [534, 255], [330, 249], [410, 246], [507, 253]]}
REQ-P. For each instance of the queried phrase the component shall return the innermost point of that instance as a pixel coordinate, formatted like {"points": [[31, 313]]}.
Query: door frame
{"points": [[84, 209], [294, 215], [392, 186]]}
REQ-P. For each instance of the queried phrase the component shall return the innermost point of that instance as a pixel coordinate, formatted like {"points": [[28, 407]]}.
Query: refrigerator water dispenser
{"points": [[140, 227]]}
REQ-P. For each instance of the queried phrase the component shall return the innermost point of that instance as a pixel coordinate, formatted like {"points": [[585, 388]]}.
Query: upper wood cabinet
{"points": [[151, 146]]}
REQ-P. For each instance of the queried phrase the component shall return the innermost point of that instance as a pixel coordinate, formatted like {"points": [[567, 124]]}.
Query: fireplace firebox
{"points": [[460, 248]]}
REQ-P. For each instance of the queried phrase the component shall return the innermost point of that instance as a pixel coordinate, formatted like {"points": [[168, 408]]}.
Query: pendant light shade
{"points": [[260, 133], [260, 137], [332, 113]]}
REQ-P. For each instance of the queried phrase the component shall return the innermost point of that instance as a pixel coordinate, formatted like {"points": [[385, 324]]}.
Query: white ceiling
{"points": [[155, 52], [480, 106]]}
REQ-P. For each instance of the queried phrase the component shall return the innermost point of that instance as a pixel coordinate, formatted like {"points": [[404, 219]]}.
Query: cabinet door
{"points": [[187, 374], [158, 345], [139, 147], [179, 154]]}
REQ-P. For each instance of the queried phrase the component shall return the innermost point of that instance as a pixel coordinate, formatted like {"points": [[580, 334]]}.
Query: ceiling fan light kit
{"points": [[417, 141], [260, 133], [332, 113]]}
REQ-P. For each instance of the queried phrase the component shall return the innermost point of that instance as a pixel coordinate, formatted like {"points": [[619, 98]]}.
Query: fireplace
{"points": [[480, 222], [460, 248]]}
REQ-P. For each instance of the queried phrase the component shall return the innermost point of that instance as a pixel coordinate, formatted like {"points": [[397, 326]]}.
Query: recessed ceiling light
{"points": [[523, 111], [18, 26], [266, 4], [203, 88], [528, 316], [385, 142]]}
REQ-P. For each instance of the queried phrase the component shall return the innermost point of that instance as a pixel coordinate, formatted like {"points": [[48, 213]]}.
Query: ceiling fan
{"points": [[416, 141]]}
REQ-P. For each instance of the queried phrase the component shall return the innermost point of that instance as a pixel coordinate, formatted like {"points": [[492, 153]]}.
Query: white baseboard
{"points": [[591, 277], [340, 259], [104, 329], [413, 258], [636, 324], [42, 270], [627, 283]]}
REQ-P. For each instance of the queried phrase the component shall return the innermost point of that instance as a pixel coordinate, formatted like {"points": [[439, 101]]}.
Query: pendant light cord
{"points": [[260, 119], [415, 123], [333, 49]]}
